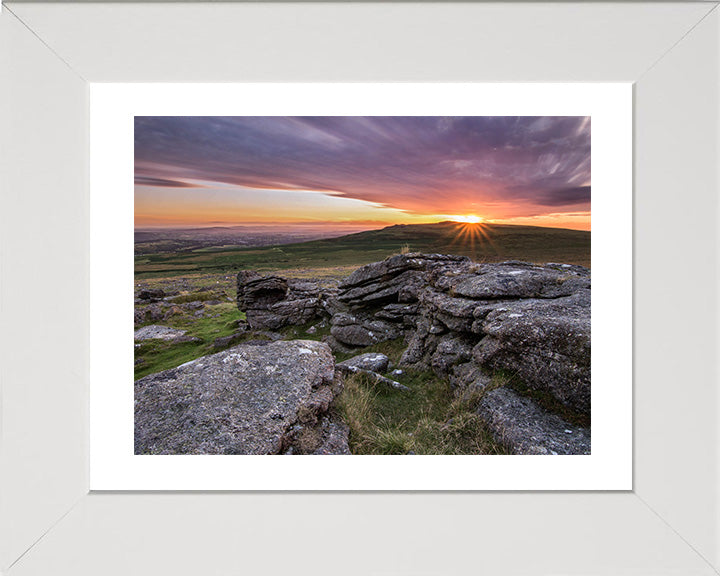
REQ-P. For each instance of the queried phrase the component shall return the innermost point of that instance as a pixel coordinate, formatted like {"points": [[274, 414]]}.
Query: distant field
{"points": [[489, 243]]}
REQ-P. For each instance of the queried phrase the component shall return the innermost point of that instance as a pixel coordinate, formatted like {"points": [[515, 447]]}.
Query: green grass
{"points": [[491, 243], [428, 419], [158, 355], [197, 297]]}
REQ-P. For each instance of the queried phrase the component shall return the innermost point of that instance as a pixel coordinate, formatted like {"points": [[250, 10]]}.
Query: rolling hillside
{"points": [[482, 242]]}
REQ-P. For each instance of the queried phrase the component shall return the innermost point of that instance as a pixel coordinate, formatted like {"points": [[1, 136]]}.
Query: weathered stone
{"points": [[240, 401], [264, 291], [333, 437], [330, 304], [225, 341], [272, 336], [398, 312], [395, 279], [329, 436], [171, 311], [294, 312], [525, 428], [450, 351], [393, 266], [507, 280], [384, 290], [343, 319], [272, 302], [454, 313], [374, 377], [468, 377], [545, 343], [418, 347], [369, 361], [155, 331], [151, 295], [355, 331], [354, 335], [336, 346]]}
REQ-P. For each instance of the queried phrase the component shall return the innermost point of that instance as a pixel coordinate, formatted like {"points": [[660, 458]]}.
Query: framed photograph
{"points": [[285, 167], [405, 286]]}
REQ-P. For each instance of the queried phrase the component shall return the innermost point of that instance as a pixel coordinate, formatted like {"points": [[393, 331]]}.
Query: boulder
{"points": [[354, 335], [373, 361], [245, 400], [157, 332], [361, 331], [151, 295], [272, 302], [525, 428], [151, 313], [336, 346], [171, 311]]}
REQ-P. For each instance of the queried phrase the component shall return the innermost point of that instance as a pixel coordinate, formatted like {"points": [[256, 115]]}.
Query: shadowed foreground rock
{"points": [[525, 428], [246, 400]]}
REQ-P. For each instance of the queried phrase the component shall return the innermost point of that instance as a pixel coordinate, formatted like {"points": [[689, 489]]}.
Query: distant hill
{"points": [[176, 240], [482, 242]]}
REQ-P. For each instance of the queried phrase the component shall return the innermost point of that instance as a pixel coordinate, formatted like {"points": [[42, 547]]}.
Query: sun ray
{"points": [[468, 234]]}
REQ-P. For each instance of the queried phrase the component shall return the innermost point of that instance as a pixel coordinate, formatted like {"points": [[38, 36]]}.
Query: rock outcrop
{"points": [[271, 302], [463, 320], [249, 399], [531, 321]]}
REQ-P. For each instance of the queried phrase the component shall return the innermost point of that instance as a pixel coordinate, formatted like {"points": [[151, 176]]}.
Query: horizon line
{"points": [[367, 226]]}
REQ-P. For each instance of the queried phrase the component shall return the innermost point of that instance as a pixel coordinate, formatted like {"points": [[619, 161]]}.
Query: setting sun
{"points": [[467, 219]]}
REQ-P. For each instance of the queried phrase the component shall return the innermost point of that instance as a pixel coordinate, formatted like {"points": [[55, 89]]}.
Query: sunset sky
{"points": [[369, 171]]}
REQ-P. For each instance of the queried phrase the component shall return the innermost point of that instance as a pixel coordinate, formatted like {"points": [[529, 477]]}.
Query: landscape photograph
{"points": [[346, 285]]}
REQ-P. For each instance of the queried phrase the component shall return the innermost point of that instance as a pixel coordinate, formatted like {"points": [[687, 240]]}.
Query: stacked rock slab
{"points": [[531, 321], [272, 302], [268, 399], [382, 298]]}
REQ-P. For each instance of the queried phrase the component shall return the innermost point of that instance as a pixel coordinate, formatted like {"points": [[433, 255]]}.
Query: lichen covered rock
{"points": [[245, 400]]}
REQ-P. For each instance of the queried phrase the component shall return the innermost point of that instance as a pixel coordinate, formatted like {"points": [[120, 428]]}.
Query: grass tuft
{"points": [[425, 420]]}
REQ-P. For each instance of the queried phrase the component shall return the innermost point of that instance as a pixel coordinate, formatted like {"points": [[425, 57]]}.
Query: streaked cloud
{"points": [[411, 167]]}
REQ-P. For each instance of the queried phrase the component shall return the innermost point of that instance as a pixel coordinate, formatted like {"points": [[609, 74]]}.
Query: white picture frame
{"points": [[668, 523]]}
